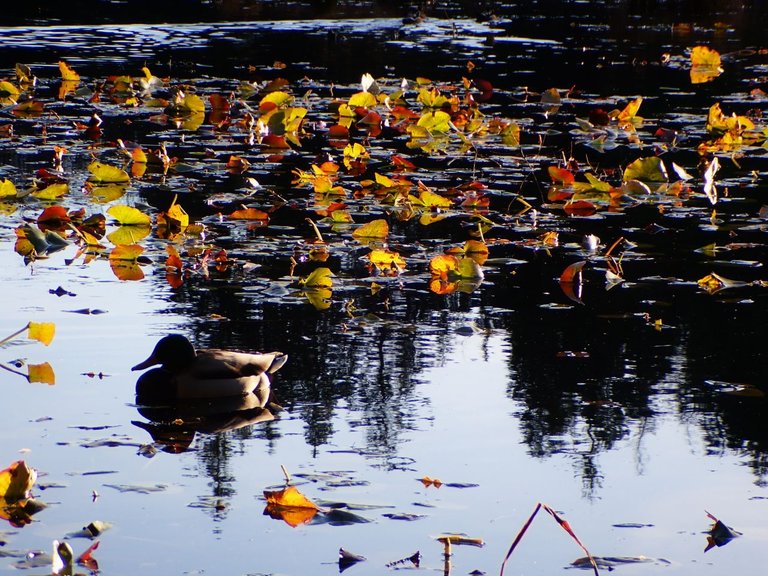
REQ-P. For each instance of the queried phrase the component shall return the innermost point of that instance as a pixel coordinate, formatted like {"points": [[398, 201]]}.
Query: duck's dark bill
{"points": [[151, 361]]}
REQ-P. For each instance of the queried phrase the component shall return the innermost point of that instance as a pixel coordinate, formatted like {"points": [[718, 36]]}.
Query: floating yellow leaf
{"points": [[193, 121], [428, 218], [105, 173], [630, 110], [52, 191], [384, 181], [705, 64], [16, 481], [387, 260], [649, 169], [7, 189], [9, 94], [354, 152], [192, 104], [341, 217], [178, 215], [373, 229], [276, 98], [289, 497], [362, 100], [290, 505], [42, 331], [432, 200], [129, 216], [718, 123], [436, 121], [319, 278], [42, 373], [67, 74], [431, 98]]}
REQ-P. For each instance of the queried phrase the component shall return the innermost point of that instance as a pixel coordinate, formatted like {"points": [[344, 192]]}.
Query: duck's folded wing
{"points": [[223, 363], [190, 386]]}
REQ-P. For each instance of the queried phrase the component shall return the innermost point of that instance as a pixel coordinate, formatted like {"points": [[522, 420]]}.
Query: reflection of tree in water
{"points": [[569, 405], [584, 376], [370, 368], [726, 349], [585, 405]]}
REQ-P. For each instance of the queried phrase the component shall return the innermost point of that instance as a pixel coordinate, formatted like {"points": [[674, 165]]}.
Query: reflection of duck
{"points": [[188, 374], [173, 426]]}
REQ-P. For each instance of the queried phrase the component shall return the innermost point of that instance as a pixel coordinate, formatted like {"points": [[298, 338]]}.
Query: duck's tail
{"points": [[277, 362]]}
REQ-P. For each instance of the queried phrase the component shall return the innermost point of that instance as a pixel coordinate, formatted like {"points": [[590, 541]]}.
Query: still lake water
{"points": [[631, 443]]}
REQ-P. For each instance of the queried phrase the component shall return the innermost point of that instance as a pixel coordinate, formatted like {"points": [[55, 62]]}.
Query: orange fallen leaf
{"points": [[290, 505], [580, 208], [560, 175], [442, 264], [248, 214], [289, 497]]}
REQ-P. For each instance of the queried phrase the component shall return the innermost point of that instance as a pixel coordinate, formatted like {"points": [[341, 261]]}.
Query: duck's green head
{"points": [[173, 352]]}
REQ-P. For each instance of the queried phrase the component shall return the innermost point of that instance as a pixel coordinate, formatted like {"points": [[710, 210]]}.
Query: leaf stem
{"points": [[12, 336], [317, 230], [285, 473]]}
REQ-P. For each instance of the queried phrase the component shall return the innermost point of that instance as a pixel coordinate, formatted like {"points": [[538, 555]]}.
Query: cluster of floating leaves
{"points": [[359, 165]]}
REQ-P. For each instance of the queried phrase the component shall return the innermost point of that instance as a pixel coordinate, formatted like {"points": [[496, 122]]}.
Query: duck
{"points": [[208, 374]]}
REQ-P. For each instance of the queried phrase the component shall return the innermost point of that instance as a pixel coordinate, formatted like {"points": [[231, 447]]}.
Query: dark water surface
{"points": [[513, 393]]}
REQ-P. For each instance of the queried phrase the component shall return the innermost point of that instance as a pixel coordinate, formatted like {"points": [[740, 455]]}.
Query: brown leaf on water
{"points": [[719, 534]]}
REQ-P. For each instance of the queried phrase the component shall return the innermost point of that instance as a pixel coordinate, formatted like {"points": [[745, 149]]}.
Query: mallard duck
{"points": [[186, 373]]}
